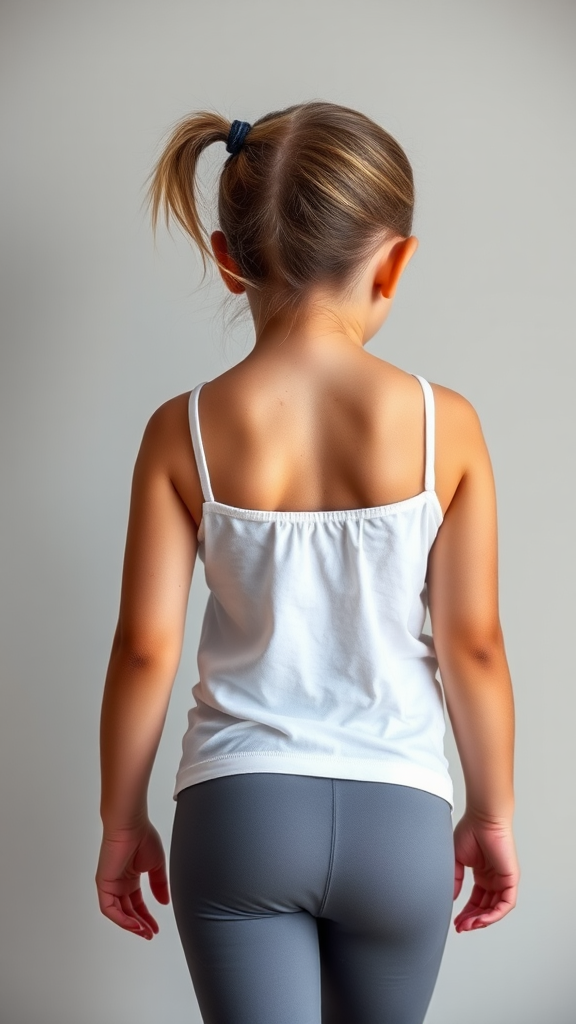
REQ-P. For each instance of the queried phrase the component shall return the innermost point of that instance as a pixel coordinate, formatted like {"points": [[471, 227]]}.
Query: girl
{"points": [[333, 498]]}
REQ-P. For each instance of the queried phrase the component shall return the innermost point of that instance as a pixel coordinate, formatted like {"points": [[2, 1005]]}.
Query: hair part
{"points": [[315, 189]]}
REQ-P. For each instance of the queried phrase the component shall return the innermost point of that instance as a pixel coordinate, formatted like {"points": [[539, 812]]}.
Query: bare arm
{"points": [[159, 559], [463, 601], [463, 596], [161, 548]]}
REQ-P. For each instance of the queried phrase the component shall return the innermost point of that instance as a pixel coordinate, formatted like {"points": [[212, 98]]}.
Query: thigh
{"points": [[249, 859], [385, 921]]}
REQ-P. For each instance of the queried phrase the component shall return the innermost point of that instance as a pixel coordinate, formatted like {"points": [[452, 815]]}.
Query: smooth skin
{"points": [[322, 424]]}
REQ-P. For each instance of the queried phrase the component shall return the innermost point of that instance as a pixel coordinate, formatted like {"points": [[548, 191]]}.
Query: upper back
{"points": [[349, 438], [287, 440]]}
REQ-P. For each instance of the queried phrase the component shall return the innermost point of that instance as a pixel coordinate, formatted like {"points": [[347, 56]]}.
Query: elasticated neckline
{"points": [[322, 515]]}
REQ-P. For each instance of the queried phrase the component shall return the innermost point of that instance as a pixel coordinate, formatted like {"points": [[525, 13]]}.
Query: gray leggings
{"points": [[305, 900]]}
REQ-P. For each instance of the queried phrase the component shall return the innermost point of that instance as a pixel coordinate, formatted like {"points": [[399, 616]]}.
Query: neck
{"points": [[317, 328]]}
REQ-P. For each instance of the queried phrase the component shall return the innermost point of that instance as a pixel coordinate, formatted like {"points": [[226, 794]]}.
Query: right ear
{"points": [[391, 268], [220, 250]]}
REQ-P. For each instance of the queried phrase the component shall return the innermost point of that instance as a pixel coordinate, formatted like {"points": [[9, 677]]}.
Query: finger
{"points": [[465, 922], [469, 923], [502, 908], [142, 910], [484, 900], [487, 900], [159, 883], [474, 910], [128, 908], [110, 907], [502, 904], [472, 917], [476, 897], [471, 908]]}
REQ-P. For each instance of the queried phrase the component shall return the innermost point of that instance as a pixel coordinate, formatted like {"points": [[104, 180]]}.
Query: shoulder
{"points": [[455, 413], [452, 402], [460, 440], [450, 406], [169, 420], [167, 433], [168, 415]]}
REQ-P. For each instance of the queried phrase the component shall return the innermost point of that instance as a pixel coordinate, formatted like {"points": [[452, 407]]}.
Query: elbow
{"points": [[484, 654], [487, 650], [483, 649], [139, 660], [148, 657]]}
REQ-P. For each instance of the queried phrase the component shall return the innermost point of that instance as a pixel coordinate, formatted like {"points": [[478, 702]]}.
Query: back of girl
{"points": [[334, 499]]}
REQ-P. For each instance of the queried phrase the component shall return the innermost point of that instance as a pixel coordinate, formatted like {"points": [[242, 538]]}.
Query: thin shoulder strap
{"points": [[429, 413], [197, 443]]}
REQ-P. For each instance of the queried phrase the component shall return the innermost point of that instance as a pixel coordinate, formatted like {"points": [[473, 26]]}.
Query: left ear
{"points": [[220, 250], [390, 270]]}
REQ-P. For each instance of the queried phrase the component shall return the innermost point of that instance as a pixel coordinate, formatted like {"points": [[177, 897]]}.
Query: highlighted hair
{"points": [[314, 191]]}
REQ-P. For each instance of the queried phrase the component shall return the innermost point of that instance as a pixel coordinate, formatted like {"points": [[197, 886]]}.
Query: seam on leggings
{"points": [[332, 845]]}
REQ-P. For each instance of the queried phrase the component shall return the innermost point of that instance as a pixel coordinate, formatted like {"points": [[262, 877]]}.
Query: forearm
{"points": [[134, 706], [480, 704]]}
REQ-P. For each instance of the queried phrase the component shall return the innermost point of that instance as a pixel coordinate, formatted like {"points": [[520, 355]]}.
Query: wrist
{"points": [[117, 824], [488, 816]]}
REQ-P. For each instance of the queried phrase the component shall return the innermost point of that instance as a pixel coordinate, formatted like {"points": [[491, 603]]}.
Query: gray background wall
{"points": [[99, 328]]}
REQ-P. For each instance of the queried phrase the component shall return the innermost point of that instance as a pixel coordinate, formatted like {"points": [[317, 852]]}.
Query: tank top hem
{"points": [[356, 768]]}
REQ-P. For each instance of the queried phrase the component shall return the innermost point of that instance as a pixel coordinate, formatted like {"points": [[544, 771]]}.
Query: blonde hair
{"points": [[315, 189]]}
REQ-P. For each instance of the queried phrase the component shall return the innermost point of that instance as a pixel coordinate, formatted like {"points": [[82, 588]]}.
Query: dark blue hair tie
{"points": [[236, 136]]}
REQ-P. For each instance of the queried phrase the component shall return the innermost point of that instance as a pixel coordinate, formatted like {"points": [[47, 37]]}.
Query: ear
{"points": [[390, 270], [220, 250]]}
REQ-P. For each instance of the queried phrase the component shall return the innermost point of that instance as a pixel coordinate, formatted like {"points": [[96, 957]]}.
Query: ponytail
{"points": [[309, 196], [173, 187]]}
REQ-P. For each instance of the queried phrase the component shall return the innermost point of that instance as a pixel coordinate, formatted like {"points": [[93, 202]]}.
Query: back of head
{"points": [[311, 194]]}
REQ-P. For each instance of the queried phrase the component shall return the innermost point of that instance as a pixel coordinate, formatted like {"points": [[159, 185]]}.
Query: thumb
{"points": [[159, 883]]}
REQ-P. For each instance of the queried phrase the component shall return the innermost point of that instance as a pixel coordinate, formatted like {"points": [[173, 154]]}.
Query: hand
{"points": [[488, 848], [124, 855]]}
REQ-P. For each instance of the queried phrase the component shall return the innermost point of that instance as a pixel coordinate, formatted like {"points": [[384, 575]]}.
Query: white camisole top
{"points": [[312, 659]]}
